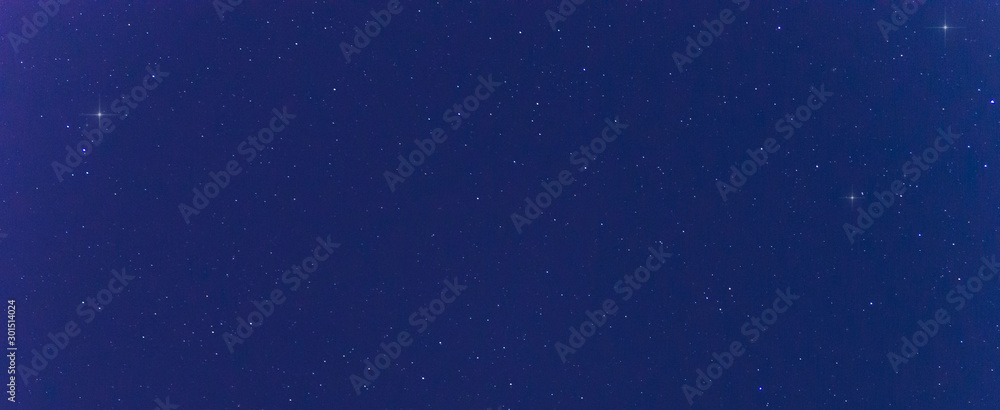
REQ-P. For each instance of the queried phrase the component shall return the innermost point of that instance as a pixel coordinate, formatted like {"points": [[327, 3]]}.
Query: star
{"points": [[99, 114], [945, 27], [852, 197]]}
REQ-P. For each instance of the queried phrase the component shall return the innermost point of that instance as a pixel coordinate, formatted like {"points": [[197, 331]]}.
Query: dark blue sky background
{"points": [[322, 175]]}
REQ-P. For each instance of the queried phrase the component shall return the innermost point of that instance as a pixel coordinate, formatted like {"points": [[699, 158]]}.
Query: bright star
{"points": [[99, 114], [944, 28], [852, 197]]}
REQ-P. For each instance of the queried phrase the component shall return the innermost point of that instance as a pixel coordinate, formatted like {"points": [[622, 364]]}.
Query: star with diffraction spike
{"points": [[852, 197], [99, 114], [944, 28]]}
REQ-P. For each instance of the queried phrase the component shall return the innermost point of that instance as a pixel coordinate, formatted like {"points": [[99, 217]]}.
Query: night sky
{"points": [[226, 204]]}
